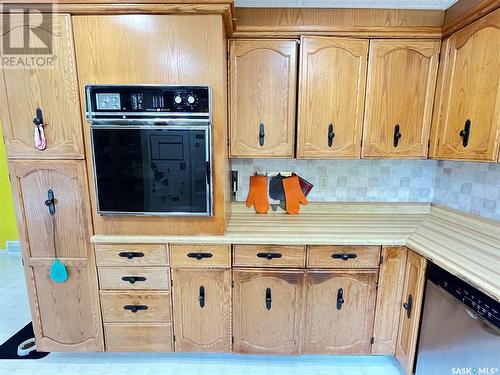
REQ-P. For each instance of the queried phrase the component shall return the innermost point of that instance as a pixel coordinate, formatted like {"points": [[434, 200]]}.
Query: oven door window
{"points": [[151, 171]]}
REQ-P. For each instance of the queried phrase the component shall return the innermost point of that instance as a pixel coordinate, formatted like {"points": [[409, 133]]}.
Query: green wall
{"points": [[8, 227]]}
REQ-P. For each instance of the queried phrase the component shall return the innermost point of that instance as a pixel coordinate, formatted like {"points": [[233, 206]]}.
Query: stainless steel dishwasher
{"points": [[460, 331]]}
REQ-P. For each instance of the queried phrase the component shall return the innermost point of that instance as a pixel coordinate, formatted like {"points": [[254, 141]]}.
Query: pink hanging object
{"points": [[39, 133]]}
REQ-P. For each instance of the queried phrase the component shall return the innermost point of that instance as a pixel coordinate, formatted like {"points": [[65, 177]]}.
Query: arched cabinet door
{"points": [[262, 98], [466, 121], [51, 87], [331, 97], [339, 311], [66, 316], [399, 96]]}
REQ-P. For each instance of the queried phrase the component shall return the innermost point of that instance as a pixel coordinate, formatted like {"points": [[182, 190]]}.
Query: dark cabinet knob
{"points": [[131, 254], [340, 298], [38, 120], [344, 256], [262, 134], [200, 256], [331, 135], [397, 135], [408, 306], [465, 133], [133, 279], [269, 256], [269, 300], [135, 308], [51, 202], [201, 297]]}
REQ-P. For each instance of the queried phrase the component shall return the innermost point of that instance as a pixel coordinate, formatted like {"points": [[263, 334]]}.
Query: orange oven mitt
{"points": [[293, 194], [257, 195]]}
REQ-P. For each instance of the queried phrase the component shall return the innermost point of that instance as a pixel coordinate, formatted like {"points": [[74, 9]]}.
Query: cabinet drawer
{"points": [[343, 256], [131, 254], [269, 256], [200, 255], [134, 278], [136, 307], [138, 337]]}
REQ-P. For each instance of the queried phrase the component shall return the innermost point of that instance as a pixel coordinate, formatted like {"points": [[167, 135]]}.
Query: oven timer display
{"points": [[107, 101]]}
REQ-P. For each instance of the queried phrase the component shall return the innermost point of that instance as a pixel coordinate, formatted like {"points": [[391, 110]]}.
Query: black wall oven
{"points": [[151, 149]]}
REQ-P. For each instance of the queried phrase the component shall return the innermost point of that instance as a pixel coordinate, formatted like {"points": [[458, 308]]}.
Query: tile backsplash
{"points": [[470, 187]]}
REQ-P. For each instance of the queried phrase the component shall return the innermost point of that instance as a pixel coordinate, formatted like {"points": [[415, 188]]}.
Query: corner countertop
{"points": [[465, 245]]}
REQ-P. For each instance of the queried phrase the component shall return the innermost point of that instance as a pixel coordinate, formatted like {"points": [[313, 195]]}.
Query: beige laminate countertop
{"points": [[465, 245]]}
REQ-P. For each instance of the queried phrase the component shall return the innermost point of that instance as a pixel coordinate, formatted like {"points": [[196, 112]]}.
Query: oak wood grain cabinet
{"points": [[331, 97], [202, 309], [52, 89], [65, 315], [410, 309], [399, 97], [339, 311], [466, 121], [262, 87], [267, 311]]}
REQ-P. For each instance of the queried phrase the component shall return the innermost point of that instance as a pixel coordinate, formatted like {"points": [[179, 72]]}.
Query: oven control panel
{"points": [[148, 98]]}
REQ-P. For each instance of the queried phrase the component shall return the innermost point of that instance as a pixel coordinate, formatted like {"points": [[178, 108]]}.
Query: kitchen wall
{"points": [[470, 187]]}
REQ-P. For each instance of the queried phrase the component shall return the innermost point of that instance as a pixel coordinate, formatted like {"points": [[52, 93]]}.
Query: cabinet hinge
{"points": [[232, 286], [232, 339], [381, 259], [22, 261], [372, 340], [174, 338], [171, 283]]}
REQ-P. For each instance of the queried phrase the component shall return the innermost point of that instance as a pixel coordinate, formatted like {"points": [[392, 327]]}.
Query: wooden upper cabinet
{"points": [[409, 321], [52, 89], [262, 95], [339, 311], [331, 97], [31, 181], [202, 309], [468, 94], [399, 96], [267, 310]]}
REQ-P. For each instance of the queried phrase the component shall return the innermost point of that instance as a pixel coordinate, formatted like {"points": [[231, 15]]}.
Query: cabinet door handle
{"points": [[262, 134], [201, 297], [465, 133], [51, 202], [135, 308], [133, 279], [397, 135], [269, 300], [131, 254], [344, 256], [269, 256], [408, 306], [200, 256], [340, 298], [331, 135]]}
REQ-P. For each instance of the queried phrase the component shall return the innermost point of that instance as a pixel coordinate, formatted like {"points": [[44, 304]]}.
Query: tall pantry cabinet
{"points": [[65, 315]]}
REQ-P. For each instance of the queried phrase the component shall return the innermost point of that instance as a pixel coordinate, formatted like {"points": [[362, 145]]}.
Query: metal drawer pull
{"points": [[133, 279], [344, 256], [269, 256], [465, 133], [408, 306], [269, 301], [200, 256], [201, 298], [340, 298], [331, 135], [135, 308], [397, 135], [131, 254]]}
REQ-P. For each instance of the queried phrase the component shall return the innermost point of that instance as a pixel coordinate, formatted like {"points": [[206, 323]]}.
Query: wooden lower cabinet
{"points": [[411, 307], [267, 307], [202, 309], [339, 311], [63, 313]]}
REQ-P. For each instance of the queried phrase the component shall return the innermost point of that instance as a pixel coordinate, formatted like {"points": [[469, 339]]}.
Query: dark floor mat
{"points": [[8, 350]]}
